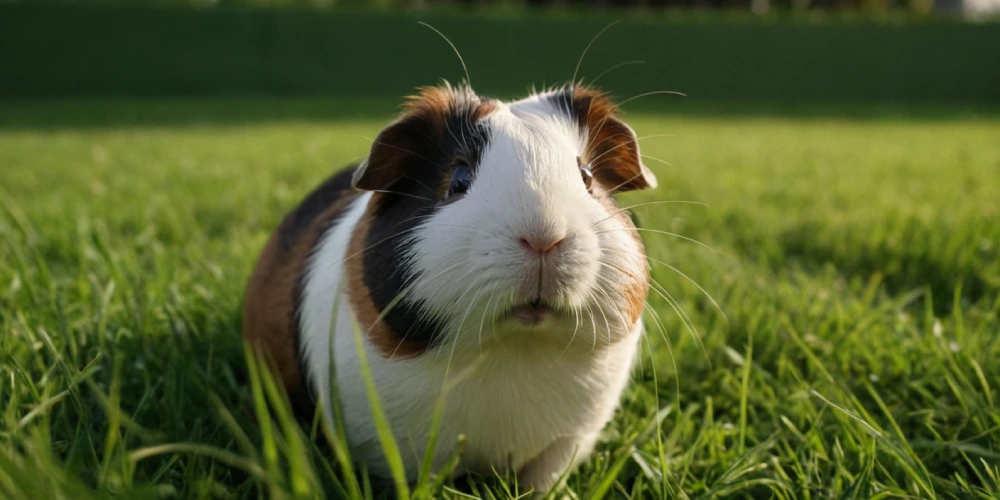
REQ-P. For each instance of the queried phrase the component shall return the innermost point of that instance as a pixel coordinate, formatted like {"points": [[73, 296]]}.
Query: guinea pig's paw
{"points": [[541, 483], [547, 473]]}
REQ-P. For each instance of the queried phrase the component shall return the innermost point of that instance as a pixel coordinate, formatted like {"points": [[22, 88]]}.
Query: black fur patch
{"points": [[563, 100], [293, 229], [298, 221], [418, 192]]}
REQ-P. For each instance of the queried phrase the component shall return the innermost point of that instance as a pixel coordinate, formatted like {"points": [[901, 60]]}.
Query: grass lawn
{"points": [[856, 259]]}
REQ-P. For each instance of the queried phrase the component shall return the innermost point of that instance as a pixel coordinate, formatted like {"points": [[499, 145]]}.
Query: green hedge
{"points": [[62, 51]]}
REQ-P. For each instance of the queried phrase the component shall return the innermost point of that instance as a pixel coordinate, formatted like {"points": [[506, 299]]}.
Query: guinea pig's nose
{"points": [[541, 244]]}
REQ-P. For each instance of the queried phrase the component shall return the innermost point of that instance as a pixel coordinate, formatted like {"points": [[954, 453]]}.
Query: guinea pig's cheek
{"points": [[580, 267], [625, 274]]}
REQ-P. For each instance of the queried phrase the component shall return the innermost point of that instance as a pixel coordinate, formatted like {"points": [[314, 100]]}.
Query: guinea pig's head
{"points": [[494, 221]]}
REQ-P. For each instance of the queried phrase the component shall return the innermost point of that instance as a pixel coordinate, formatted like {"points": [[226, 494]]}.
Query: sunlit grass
{"points": [[858, 268]]}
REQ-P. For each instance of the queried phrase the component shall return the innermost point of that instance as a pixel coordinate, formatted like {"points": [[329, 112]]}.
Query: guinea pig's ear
{"points": [[612, 147], [399, 149], [388, 157]]}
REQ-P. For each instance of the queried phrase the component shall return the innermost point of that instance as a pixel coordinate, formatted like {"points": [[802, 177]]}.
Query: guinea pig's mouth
{"points": [[533, 312]]}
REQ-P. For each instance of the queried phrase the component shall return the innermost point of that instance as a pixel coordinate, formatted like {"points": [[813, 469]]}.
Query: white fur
{"points": [[528, 399], [322, 291]]}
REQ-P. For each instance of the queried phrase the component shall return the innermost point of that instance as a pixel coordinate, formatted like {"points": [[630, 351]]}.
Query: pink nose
{"points": [[541, 245]]}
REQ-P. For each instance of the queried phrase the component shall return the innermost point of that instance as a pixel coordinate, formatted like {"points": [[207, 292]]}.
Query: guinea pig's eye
{"points": [[588, 176], [461, 179]]}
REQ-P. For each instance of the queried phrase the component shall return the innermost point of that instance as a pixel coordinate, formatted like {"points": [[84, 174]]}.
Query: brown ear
{"points": [[415, 151], [405, 140], [612, 147]]}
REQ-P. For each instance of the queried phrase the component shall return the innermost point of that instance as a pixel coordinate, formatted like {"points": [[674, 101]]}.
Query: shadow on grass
{"points": [[234, 110]]}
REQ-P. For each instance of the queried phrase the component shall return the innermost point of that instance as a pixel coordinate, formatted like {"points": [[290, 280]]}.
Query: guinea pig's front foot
{"points": [[546, 474]]}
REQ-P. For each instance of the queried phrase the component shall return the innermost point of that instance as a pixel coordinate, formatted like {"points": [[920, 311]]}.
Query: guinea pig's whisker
{"points": [[661, 202], [571, 339], [565, 105], [625, 134], [576, 320], [689, 329], [685, 319], [658, 231], [655, 136], [472, 303], [607, 324], [689, 279], [455, 342], [482, 320], [594, 333], [622, 103], [465, 227], [634, 376], [400, 296], [651, 157], [618, 314], [593, 325], [593, 161], [670, 352], [462, 141], [393, 146], [658, 322], [617, 269], [619, 65], [425, 186], [398, 235], [423, 279], [473, 284], [451, 357], [369, 247], [493, 320], [653, 92], [626, 181], [579, 62], [602, 141], [596, 167], [385, 312], [590, 141], [468, 80], [614, 284], [693, 282], [593, 165], [431, 140], [462, 138], [386, 191]]}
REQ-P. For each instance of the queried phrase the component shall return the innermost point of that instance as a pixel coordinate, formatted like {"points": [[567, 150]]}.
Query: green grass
{"points": [[858, 265]]}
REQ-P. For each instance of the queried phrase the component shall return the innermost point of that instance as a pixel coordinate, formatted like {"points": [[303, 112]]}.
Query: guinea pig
{"points": [[479, 252]]}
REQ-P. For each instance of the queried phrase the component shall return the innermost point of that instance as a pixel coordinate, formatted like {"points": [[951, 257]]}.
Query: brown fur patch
{"points": [[423, 122], [266, 308], [442, 100], [419, 132], [612, 148], [638, 290], [271, 300], [484, 109], [387, 342], [636, 294], [428, 101]]}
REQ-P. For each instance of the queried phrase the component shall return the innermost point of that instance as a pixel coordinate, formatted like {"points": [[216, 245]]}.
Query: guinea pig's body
{"points": [[478, 253]]}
